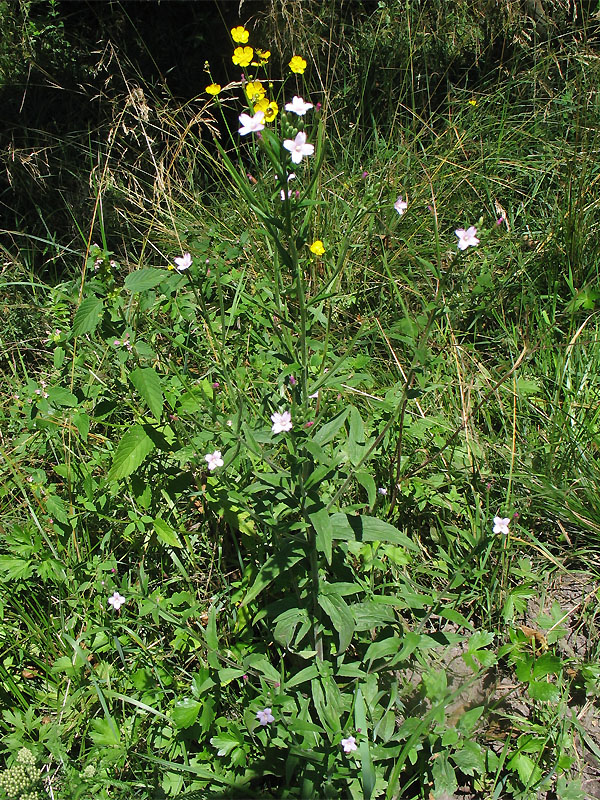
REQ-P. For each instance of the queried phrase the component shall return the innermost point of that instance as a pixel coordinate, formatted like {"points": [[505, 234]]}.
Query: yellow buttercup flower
{"points": [[254, 91], [264, 55], [317, 248], [298, 65], [242, 56], [269, 108], [473, 102], [213, 89], [240, 34]]}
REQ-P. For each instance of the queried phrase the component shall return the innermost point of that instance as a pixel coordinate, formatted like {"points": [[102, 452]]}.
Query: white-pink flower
{"points": [[183, 262], [116, 601], [281, 422], [298, 147], [265, 716], [400, 205], [298, 106], [501, 525], [349, 744], [467, 238], [290, 177], [251, 124], [214, 460]]}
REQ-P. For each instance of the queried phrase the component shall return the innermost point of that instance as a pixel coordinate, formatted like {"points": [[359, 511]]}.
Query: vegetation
{"points": [[299, 421]]}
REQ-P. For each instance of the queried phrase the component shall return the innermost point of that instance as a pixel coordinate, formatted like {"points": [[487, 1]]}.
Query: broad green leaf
{"points": [[260, 664], [143, 279], [273, 567], [14, 568], [544, 691], [341, 617], [382, 649], [210, 632], [548, 664], [165, 533], [443, 775], [87, 316], [526, 768], [324, 532], [366, 481], [368, 529], [185, 712], [306, 674], [470, 758], [228, 674], [82, 422], [131, 452], [326, 432], [62, 397], [147, 382], [287, 623]]}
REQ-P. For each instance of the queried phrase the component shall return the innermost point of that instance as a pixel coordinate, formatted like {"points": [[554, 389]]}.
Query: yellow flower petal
{"points": [[298, 65], [317, 248], [213, 89], [254, 91], [240, 34], [242, 56]]}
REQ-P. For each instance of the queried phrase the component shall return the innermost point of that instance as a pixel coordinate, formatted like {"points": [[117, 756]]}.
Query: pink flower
{"points": [[184, 262], [298, 106], [214, 460], [501, 525], [281, 422], [265, 716], [251, 124], [298, 147], [116, 601], [467, 238], [349, 744], [400, 205]]}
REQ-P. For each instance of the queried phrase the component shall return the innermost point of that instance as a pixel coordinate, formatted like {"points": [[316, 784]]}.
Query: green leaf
{"points": [[443, 775], [131, 452], [225, 742], [324, 532], [165, 533], [306, 674], [87, 316], [529, 773], [366, 481], [210, 632], [14, 568], [105, 734], [278, 563], [62, 397], [368, 529], [82, 422], [147, 382], [544, 691], [470, 758], [143, 279], [185, 712], [341, 617], [382, 649], [548, 664], [326, 432]]}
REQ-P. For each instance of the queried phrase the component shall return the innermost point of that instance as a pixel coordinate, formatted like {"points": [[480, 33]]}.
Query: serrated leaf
{"points": [[148, 384], [225, 742], [87, 316], [165, 533], [526, 768], [470, 758], [143, 279], [133, 448], [443, 775], [104, 733], [185, 712]]}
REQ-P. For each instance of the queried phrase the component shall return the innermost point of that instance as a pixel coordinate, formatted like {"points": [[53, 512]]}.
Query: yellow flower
{"points": [[473, 102], [269, 108], [240, 34], [213, 89], [298, 65], [264, 55], [242, 56], [254, 91], [317, 248]]}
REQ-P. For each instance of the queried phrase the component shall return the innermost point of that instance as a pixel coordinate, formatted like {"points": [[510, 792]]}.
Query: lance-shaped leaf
{"points": [[147, 382]]}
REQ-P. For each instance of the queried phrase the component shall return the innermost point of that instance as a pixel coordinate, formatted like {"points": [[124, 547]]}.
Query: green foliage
{"points": [[247, 502]]}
